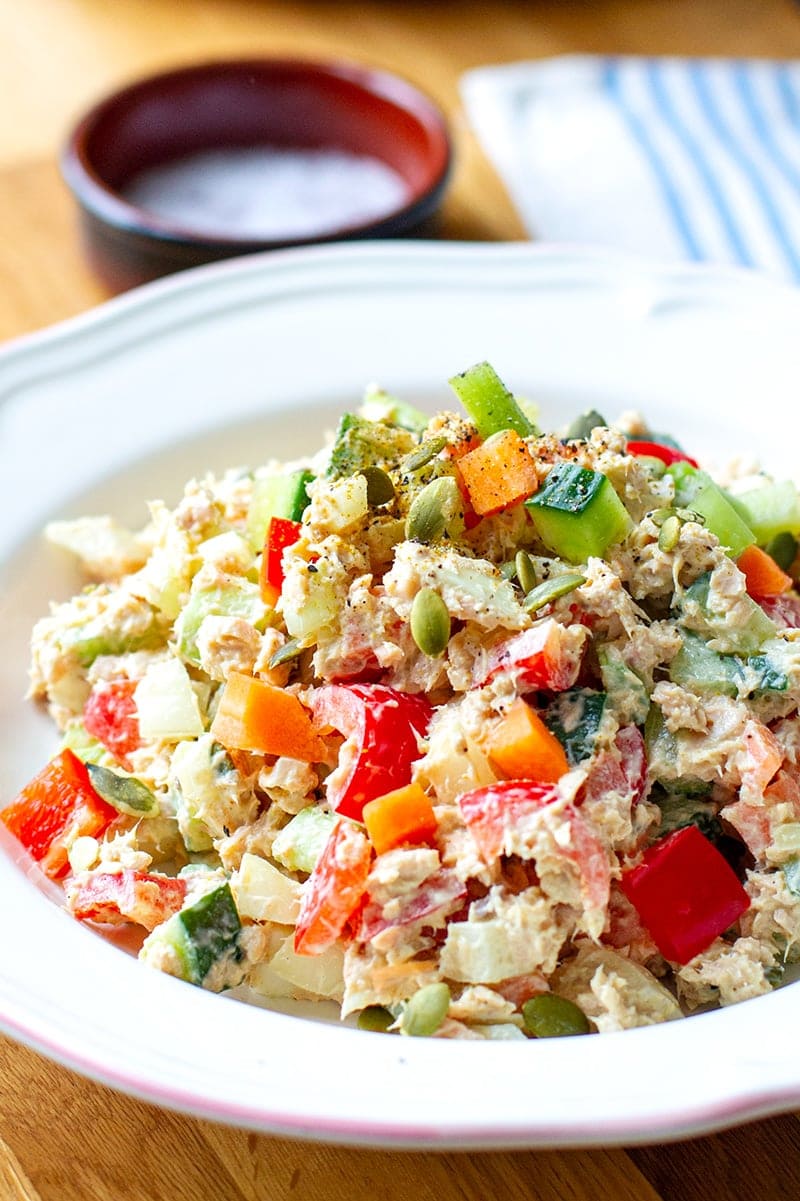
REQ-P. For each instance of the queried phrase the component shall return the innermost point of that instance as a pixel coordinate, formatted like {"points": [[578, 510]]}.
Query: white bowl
{"points": [[228, 365]]}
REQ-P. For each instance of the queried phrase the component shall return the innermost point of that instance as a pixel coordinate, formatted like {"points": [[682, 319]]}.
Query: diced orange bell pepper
{"points": [[524, 749], [256, 716], [763, 575], [499, 473], [398, 818]]}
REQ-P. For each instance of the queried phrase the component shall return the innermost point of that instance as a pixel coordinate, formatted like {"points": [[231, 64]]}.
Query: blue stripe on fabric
{"points": [[783, 76], [694, 149], [748, 167], [664, 180], [761, 126]]}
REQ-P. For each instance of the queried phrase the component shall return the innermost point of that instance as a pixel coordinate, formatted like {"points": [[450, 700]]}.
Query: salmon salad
{"points": [[475, 730]]}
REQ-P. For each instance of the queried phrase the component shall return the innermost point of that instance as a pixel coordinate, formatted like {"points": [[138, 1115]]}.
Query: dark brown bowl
{"points": [[275, 103]]}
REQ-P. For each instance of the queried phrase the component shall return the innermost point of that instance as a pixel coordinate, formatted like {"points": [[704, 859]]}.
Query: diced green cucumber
{"points": [[580, 428], [696, 491], [684, 809], [240, 598], [702, 670], [769, 510], [489, 403], [88, 647], [627, 694], [380, 406], [575, 717], [746, 638], [360, 443], [209, 796], [791, 873], [660, 744], [299, 844], [577, 513], [281, 495], [200, 936]]}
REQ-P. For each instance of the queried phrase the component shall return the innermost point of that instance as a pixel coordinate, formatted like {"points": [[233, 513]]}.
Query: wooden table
{"points": [[63, 1138]]}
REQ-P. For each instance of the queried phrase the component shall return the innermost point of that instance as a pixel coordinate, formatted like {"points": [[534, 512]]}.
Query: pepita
{"points": [[380, 489], [284, 654], [430, 623], [425, 1011], [426, 451], [375, 1017], [550, 590], [126, 793], [669, 534], [526, 572], [431, 510]]}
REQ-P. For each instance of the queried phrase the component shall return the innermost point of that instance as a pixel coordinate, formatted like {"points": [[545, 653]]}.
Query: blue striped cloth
{"points": [[675, 158]]}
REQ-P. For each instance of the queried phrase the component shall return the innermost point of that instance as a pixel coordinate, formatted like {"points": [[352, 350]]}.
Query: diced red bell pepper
{"points": [[491, 813], [334, 890], [280, 534], [114, 898], [654, 450], [685, 892], [537, 656], [383, 727], [56, 807], [435, 899], [110, 716]]}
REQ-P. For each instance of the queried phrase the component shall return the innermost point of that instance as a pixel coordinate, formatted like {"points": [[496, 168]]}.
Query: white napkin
{"points": [[675, 158]]}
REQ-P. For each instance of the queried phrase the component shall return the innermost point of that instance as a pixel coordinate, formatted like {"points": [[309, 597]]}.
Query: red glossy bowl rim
{"points": [[108, 206]]}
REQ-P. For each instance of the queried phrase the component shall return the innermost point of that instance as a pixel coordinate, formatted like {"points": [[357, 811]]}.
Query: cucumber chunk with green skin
{"points": [[696, 491], [577, 514], [769, 510], [299, 844], [575, 717], [681, 810], [360, 443], [700, 669], [747, 638], [281, 495], [488, 402], [627, 694], [239, 599], [791, 874], [200, 937]]}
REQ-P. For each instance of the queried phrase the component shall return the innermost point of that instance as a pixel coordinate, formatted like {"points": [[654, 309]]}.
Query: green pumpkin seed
{"points": [[431, 510], [430, 623], [125, 793], [380, 489], [550, 1016], [526, 573], [426, 451], [284, 654], [659, 516], [688, 515], [424, 1013], [669, 534], [509, 570], [550, 590], [375, 1017]]}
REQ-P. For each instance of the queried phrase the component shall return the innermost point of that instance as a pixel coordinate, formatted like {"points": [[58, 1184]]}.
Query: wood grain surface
{"points": [[65, 1138]]}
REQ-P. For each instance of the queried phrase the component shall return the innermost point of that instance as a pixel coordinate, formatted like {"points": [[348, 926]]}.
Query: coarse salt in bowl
{"points": [[219, 159]]}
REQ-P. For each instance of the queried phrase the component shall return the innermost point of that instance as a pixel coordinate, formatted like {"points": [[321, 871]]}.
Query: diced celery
{"points": [[317, 608], [240, 598], [199, 937], [577, 514], [659, 743], [769, 510], [88, 647], [166, 703], [265, 894], [360, 443], [299, 844], [575, 717], [489, 403], [696, 491], [77, 739], [283, 494]]}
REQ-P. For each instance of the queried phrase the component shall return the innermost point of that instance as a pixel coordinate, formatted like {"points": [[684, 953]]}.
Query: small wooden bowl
{"points": [[282, 104]]}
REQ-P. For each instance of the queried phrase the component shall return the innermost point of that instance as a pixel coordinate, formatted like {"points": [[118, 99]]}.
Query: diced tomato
{"points": [[587, 853], [537, 656], [436, 898], [110, 716], [685, 893], [114, 898], [280, 534], [654, 450], [334, 889], [492, 813], [56, 807], [759, 759], [752, 824], [622, 770], [383, 727]]}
